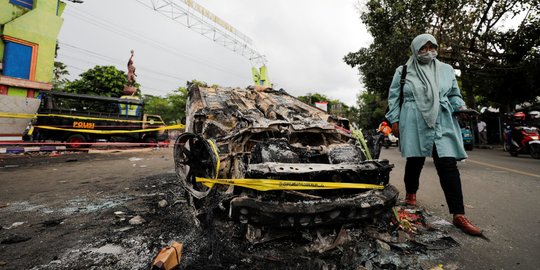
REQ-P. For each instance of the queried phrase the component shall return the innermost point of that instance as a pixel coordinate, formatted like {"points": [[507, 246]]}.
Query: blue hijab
{"points": [[425, 80]]}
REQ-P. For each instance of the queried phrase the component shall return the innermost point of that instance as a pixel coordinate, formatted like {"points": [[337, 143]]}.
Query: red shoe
{"points": [[465, 225], [410, 199]]}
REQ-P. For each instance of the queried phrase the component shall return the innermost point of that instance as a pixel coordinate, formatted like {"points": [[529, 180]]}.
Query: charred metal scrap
{"points": [[268, 134]]}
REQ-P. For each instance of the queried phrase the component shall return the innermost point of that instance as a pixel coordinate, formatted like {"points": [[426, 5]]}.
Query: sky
{"points": [[304, 43]]}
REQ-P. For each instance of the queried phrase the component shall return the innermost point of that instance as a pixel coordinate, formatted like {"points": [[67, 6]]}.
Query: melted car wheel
{"points": [[194, 157]]}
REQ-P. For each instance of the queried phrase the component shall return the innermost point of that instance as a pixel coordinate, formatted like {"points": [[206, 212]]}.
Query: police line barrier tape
{"points": [[179, 126], [272, 184], [218, 165], [17, 115], [30, 116]]}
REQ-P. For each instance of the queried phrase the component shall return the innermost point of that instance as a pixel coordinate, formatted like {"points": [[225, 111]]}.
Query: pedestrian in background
{"points": [[482, 132], [427, 127]]}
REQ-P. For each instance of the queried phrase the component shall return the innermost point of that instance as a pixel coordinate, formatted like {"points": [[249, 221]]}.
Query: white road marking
{"points": [[504, 168]]}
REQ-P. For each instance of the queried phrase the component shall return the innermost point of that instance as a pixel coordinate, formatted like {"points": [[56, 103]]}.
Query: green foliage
{"points": [[371, 109], [100, 81], [172, 108], [198, 83], [499, 65], [58, 81], [335, 106]]}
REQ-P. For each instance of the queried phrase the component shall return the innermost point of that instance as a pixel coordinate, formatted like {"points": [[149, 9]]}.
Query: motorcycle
{"points": [[390, 139], [525, 140]]}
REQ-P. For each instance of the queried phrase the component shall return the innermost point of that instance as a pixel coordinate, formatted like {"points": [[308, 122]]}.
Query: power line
{"points": [[93, 63], [118, 61], [111, 27], [176, 80]]}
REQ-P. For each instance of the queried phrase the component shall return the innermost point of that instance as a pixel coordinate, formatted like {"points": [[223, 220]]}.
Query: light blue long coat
{"points": [[416, 138]]}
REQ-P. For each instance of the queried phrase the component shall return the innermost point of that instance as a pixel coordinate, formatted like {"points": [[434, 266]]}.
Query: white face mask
{"points": [[426, 57]]}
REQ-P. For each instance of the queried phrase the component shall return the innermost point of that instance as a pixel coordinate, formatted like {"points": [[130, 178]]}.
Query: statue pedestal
{"points": [[129, 90]]}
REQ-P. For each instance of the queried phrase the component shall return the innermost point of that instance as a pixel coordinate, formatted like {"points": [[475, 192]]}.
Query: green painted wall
{"points": [[16, 91], [8, 12], [40, 25]]}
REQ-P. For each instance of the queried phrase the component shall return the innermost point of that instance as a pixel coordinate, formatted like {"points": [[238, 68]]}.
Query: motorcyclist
{"points": [[525, 138], [518, 119]]}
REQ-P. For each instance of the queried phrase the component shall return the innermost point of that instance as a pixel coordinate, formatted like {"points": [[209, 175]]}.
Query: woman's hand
{"points": [[395, 129], [465, 114]]}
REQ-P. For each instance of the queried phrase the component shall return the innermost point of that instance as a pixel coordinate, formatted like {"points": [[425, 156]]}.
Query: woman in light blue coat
{"points": [[427, 126]]}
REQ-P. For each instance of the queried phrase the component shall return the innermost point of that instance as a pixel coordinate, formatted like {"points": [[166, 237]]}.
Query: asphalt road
{"points": [[501, 195]]}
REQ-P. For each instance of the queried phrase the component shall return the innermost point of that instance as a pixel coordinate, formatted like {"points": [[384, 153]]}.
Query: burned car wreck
{"points": [[265, 158]]}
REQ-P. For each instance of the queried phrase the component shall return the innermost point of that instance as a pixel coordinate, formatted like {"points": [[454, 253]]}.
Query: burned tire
{"points": [[76, 141], [194, 157]]}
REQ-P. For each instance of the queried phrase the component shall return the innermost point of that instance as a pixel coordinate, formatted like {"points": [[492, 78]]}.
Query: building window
{"points": [[19, 58], [29, 4]]}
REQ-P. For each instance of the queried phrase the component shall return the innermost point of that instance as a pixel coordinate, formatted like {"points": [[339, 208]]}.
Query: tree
{"points": [[59, 72], [513, 78], [101, 81], [171, 108], [157, 105], [370, 109], [469, 40], [335, 106]]}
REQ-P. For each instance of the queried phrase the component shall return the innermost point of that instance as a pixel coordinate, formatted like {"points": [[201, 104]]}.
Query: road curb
{"points": [[22, 149]]}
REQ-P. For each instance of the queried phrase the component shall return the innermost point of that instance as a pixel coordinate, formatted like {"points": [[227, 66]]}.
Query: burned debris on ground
{"points": [[377, 243]]}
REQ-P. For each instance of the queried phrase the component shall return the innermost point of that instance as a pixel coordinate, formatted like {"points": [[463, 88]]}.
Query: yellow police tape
{"points": [[17, 115], [179, 126], [215, 151], [271, 184], [30, 116]]}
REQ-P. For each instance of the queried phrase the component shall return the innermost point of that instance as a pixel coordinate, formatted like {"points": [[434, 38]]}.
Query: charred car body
{"points": [[249, 135]]}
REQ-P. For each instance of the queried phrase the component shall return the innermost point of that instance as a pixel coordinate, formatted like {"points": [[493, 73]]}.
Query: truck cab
{"points": [[80, 120], [152, 121]]}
